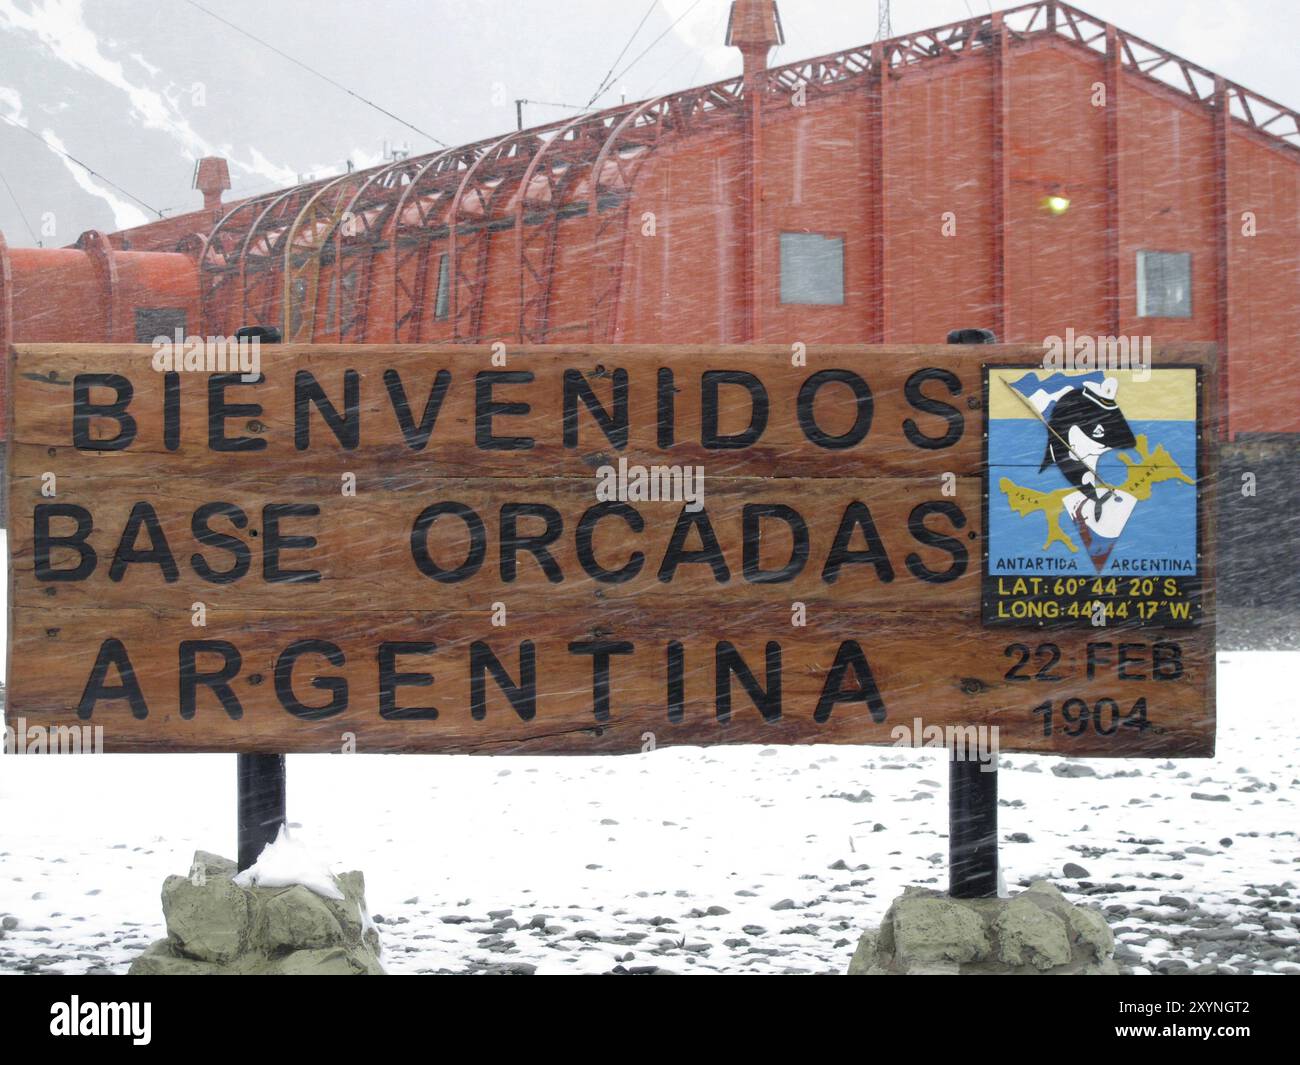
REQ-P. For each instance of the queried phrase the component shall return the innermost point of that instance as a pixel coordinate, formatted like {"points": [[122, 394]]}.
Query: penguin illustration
{"points": [[1085, 423]]}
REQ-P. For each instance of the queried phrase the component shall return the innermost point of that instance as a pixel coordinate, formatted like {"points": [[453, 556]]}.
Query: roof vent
{"points": [[755, 28], [212, 178]]}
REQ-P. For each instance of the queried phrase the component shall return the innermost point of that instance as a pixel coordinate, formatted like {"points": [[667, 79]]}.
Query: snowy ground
{"points": [[748, 859]]}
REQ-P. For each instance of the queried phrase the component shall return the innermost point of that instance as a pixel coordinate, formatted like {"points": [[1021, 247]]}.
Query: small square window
{"points": [[812, 268], [1164, 284], [151, 322]]}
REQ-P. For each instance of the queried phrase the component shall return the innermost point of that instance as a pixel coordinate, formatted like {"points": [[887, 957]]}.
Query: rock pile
{"points": [[1037, 931], [216, 927]]}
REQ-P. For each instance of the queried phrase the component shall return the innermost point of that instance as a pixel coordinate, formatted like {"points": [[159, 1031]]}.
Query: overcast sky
{"points": [[139, 89]]}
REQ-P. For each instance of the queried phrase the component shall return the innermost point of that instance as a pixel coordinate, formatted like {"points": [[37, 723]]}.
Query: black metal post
{"points": [[972, 829], [260, 778], [261, 803], [972, 784]]}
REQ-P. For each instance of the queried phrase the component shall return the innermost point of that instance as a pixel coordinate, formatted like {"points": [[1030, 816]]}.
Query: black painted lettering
{"points": [[857, 516], [420, 542], [586, 533], [751, 526], [336, 686], [850, 656], [203, 532], [219, 411], [953, 417], [274, 541], [728, 661], [601, 652], [486, 408], [522, 696], [216, 681], [84, 412], [711, 412], [709, 552], [614, 426], [112, 652], [512, 541], [922, 534], [864, 409], [390, 680], [346, 426], [158, 553], [43, 540], [417, 436]]}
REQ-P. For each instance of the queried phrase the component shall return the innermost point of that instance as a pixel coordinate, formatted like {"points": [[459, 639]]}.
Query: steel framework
{"points": [[530, 181]]}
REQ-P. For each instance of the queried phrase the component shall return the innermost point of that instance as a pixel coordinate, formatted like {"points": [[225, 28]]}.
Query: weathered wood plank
{"points": [[959, 682], [839, 540], [45, 375]]}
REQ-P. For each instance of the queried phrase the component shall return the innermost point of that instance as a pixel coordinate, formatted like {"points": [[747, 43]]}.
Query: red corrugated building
{"points": [[1026, 171]]}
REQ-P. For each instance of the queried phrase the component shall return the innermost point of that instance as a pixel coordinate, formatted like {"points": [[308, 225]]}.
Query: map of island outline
{"points": [[1145, 471]]}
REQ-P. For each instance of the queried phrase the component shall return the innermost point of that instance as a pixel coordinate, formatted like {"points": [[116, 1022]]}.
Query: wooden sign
{"points": [[584, 550]]}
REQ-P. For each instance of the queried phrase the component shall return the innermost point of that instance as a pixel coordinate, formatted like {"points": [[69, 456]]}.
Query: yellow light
{"points": [[1057, 204]]}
